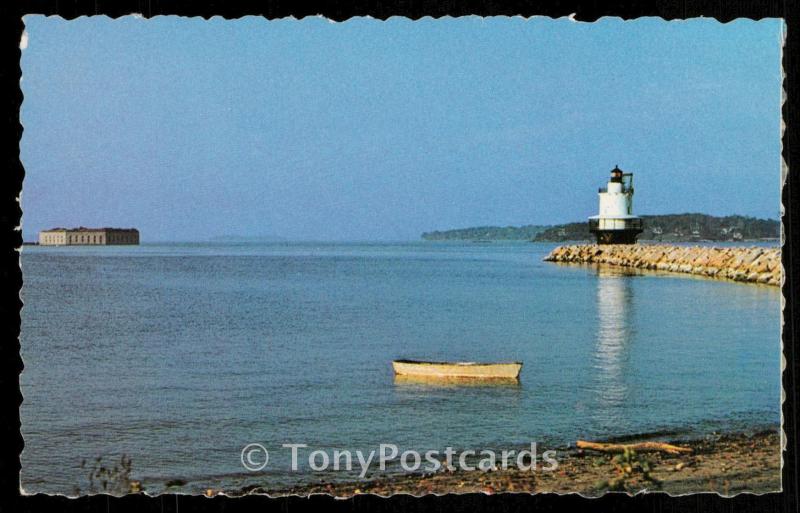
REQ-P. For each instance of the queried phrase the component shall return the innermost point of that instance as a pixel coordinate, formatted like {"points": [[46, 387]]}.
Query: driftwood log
{"points": [[638, 447]]}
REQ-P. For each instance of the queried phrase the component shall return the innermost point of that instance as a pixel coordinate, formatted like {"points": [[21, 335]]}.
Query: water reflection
{"points": [[454, 382], [612, 346]]}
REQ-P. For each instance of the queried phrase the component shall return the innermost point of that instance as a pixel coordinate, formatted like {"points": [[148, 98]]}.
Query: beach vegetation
{"points": [[632, 473], [111, 477]]}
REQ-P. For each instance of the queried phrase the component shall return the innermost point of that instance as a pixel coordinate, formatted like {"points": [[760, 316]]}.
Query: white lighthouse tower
{"points": [[616, 224]]}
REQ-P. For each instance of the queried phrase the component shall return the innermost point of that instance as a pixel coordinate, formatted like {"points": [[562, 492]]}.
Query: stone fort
{"points": [[88, 236]]}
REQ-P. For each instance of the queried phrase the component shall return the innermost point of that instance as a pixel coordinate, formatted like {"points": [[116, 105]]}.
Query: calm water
{"points": [[179, 355]]}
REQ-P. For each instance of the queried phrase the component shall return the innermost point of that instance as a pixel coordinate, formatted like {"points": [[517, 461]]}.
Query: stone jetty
{"points": [[746, 264]]}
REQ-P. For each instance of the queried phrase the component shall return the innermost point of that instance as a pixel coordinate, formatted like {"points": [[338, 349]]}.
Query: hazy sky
{"points": [[187, 129]]}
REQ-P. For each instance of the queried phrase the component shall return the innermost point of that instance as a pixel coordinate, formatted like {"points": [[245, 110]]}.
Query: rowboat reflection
{"points": [[454, 382]]}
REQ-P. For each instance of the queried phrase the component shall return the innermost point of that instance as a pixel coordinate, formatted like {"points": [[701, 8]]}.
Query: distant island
{"points": [[247, 238], [667, 228]]}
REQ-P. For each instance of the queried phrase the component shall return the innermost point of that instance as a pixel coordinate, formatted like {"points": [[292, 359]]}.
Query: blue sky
{"points": [[371, 130]]}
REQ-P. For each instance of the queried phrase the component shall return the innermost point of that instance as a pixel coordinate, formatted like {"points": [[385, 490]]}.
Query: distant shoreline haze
{"points": [[666, 227], [247, 238], [673, 227]]}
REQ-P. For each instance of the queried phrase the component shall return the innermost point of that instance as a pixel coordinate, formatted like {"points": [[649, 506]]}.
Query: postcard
{"points": [[502, 254]]}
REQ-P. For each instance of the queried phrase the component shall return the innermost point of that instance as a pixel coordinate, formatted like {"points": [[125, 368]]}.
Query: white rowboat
{"points": [[472, 370]]}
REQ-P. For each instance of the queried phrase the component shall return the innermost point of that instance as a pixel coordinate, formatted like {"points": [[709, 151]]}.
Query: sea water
{"points": [[179, 355]]}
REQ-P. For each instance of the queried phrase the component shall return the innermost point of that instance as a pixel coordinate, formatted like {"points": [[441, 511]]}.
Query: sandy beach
{"points": [[726, 464]]}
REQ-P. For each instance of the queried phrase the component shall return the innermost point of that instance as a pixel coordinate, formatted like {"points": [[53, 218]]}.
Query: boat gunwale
{"points": [[462, 364]]}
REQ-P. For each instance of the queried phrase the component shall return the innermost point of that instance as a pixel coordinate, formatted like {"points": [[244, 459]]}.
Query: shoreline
{"points": [[727, 464]]}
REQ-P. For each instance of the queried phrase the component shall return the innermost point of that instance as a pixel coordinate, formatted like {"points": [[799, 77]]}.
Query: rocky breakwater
{"points": [[746, 264]]}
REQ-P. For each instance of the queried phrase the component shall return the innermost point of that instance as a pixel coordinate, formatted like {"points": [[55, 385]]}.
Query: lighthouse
{"points": [[616, 224]]}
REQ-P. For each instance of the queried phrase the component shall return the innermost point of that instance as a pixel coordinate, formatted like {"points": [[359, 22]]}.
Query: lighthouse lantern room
{"points": [[616, 224]]}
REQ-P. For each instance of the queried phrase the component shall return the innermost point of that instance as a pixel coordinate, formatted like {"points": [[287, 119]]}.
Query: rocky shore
{"points": [[725, 464], [745, 264]]}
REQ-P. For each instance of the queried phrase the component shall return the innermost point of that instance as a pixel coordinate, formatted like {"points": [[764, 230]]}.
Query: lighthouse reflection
{"points": [[612, 345]]}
